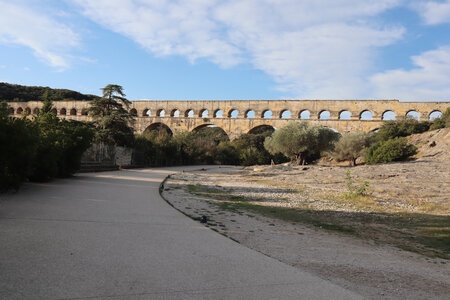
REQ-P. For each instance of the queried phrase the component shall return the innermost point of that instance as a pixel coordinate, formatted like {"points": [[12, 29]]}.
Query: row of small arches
{"points": [[266, 114], [286, 114], [62, 111]]}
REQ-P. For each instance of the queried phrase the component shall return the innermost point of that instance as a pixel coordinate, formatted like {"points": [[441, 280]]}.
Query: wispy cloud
{"points": [[49, 40], [311, 48], [430, 80], [434, 12]]}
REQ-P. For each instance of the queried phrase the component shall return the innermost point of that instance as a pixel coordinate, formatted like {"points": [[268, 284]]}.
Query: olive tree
{"points": [[300, 141], [351, 146]]}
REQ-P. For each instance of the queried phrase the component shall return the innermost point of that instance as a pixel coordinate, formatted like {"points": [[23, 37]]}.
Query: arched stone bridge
{"points": [[236, 117]]}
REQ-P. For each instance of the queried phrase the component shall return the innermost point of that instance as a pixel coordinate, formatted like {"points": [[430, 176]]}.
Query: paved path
{"points": [[110, 235]]}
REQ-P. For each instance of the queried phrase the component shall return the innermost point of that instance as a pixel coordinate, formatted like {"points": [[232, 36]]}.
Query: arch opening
{"points": [[11, 110], [36, 111], [388, 115], [203, 113], [53, 111], [435, 114], [28, 110], [324, 115], [261, 129], [175, 113], [161, 113], [267, 114], [189, 113], [366, 115], [250, 114], [73, 112], [332, 129], [19, 110], [412, 114], [63, 111], [285, 114], [146, 112], [305, 114], [345, 115], [234, 113], [133, 112], [84, 112], [158, 127], [218, 113]]}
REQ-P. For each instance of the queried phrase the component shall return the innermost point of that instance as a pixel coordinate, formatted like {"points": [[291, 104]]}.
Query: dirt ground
{"points": [[390, 243]]}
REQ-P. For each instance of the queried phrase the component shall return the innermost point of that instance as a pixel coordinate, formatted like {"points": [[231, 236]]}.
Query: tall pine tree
{"points": [[111, 117]]}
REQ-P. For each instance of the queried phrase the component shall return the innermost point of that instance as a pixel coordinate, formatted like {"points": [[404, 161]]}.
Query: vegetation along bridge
{"points": [[237, 117]]}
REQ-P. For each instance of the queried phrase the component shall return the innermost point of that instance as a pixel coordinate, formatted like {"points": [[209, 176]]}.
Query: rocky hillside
{"points": [[432, 144]]}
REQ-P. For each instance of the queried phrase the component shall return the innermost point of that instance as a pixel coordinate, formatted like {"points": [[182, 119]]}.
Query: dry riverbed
{"points": [[392, 242]]}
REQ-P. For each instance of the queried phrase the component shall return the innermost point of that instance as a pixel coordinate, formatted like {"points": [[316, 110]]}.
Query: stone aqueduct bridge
{"points": [[236, 117]]}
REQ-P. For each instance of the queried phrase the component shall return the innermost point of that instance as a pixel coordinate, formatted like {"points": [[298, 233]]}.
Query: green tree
{"points": [[351, 146], [111, 117], [18, 144], [60, 147], [300, 141]]}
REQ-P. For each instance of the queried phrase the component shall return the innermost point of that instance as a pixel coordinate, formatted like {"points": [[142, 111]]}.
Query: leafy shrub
{"points": [[401, 128], [390, 150], [443, 121]]}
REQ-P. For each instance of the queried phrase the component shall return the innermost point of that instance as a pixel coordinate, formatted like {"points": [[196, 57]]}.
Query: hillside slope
{"points": [[432, 144], [15, 93]]}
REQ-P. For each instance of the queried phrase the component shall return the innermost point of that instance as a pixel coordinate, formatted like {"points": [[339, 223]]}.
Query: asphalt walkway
{"points": [[110, 236]]}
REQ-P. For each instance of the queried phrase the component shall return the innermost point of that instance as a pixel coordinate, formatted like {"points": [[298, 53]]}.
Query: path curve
{"points": [[110, 236]]}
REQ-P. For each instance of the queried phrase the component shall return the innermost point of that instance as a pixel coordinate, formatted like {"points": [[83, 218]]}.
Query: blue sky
{"points": [[231, 49]]}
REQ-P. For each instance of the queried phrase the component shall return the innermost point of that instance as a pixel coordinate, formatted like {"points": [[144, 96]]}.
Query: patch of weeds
{"points": [[354, 190]]}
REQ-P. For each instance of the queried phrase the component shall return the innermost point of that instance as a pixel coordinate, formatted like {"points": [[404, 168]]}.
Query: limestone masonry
{"points": [[237, 117]]}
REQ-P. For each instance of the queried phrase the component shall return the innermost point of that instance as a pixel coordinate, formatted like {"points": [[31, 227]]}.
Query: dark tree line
{"points": [[16, 93], [40, 149]]}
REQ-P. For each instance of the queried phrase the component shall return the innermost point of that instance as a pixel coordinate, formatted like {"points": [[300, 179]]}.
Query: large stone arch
{"points": [[257, 129], [202, 126], [159, 127]]}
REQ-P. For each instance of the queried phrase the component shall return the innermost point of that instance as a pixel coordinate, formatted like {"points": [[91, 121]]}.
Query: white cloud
{"points": [[435, 12], [430, 80], [316, 49], [49, 39]]}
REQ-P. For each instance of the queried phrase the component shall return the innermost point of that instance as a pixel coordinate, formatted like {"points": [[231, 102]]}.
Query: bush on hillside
{"points": [[443, 121], [391, 150], [401, 128]]}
